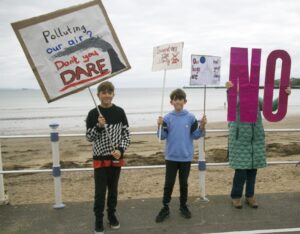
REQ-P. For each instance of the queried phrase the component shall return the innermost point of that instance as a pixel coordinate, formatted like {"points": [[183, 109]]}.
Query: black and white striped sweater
{"points": [[116, 127]]}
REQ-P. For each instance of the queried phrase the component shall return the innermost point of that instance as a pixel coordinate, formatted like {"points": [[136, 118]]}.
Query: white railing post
{"points": [[202, 170], [3, 196], [56, 172]]}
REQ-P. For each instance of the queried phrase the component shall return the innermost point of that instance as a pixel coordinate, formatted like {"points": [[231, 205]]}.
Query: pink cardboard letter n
{"points": [[245, 89]]}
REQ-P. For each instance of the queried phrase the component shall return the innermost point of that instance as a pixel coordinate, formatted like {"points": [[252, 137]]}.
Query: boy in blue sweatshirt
{"points": [[179, 128]]}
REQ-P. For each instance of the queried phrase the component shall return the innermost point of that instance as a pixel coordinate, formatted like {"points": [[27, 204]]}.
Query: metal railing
{"points": [[59, 203], [131, 167], [141, 133]]}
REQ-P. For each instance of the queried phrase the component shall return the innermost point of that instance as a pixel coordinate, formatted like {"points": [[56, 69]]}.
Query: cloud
{"points": [[206, 27]]}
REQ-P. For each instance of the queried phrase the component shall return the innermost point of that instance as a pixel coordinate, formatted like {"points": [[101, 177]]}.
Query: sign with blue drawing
{"points": [[71, 49], [205, 70]]}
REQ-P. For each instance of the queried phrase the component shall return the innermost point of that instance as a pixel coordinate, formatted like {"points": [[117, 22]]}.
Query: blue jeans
{"points": [[242, 176]]}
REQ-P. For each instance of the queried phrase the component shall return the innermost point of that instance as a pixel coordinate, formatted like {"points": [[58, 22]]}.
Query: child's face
{"points": [[178, 104], [106, 97]]}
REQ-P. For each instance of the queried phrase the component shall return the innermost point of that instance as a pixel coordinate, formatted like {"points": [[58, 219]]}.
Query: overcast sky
{"points": [[208, 27]]}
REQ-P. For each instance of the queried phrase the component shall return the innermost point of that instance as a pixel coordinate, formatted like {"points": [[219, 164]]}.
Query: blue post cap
{"points": [[56, 171], [201, 165], [54, 126]]}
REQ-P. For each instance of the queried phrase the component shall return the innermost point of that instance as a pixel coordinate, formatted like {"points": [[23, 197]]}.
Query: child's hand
{"points": [[229, 84], [288, 90], [101, 121], [203, 122], [116, 154], [160, 121]]}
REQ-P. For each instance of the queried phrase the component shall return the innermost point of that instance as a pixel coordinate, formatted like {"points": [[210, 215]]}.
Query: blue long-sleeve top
{"points": [[179, 129]]}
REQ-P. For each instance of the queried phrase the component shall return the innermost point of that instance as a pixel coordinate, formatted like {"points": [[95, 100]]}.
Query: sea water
{"points": [[27, 111]]}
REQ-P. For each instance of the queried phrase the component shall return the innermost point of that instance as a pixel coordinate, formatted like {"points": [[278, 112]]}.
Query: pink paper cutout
{"points": [[269, 85], [248, 89]]}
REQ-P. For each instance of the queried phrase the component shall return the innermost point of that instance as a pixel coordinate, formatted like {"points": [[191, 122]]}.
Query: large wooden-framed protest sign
{"points": [[167, 56], [205, 70], [71, 49]]}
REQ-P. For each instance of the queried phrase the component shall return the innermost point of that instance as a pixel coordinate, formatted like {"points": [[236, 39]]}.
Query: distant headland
{"points": [[295, 84]]}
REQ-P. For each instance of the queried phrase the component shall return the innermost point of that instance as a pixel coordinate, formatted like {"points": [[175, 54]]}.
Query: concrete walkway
{"points": [[276, 211]]}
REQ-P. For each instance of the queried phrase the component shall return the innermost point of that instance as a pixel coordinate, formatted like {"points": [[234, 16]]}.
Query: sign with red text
{"points": [[168, 56], [71, 49], [205, 70]]}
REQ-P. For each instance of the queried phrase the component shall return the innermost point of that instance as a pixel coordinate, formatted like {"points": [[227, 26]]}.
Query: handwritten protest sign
{"points": [[205, 70], [71, 49], [168, 56]]}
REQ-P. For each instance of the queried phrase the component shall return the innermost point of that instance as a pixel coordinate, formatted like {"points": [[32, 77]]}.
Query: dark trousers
{"points": [[106, 177], [171, 172], [242, 176]]}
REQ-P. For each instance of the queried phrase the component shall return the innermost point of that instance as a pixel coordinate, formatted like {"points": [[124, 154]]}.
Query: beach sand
{"points": [[75, 152]]}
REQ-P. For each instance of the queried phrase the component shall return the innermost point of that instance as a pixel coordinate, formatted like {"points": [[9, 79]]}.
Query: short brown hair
{"points": [[178, 94], [105, 86]]}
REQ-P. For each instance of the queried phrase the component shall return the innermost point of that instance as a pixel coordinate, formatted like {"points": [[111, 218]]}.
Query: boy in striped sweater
{"points": [[109, 132]]}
